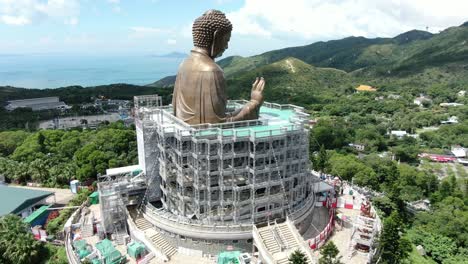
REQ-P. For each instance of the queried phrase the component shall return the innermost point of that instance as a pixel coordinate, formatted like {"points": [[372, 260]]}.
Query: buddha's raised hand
{"points": [[257, 91]]}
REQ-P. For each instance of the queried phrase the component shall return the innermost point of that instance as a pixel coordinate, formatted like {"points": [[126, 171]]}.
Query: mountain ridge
{"points": [[405, 53]]}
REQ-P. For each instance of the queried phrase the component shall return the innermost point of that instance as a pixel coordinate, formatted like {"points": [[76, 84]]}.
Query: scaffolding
{"points": [[228, 173], [115, 193]]}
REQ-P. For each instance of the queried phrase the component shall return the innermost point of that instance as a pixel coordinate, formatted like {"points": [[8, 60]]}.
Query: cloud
{"points": [[144, 32], [117, 9], [15, 20], [320, 20], [148, 30], [72, 21], [171, 41], [24, 12]]}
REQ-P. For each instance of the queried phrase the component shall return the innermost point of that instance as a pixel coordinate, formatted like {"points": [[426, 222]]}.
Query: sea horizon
{"points": [[56, 70]]}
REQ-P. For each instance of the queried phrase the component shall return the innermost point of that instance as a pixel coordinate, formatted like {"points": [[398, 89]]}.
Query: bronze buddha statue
{"points": [[200, 88]]}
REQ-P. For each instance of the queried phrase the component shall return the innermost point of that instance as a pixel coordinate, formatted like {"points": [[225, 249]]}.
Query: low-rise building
{"points": [[458, 151], [358, 147], [365, 88], [394, 96], [398, 133], [451, 120], [37, 104], [21, 201], [450, 104], [421, 100]]}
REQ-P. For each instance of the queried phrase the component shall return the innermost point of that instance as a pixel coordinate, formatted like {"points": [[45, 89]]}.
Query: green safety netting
{"points": [[80, 244], [229, 257], [94, 198], [135, 249], [83, 253], [136, 172], [108, 251], [95, 261]]}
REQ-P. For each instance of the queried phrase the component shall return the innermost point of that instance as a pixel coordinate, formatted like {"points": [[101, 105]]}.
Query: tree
{"points": [[320, 163], [330, 134], [394, 249], [437, 246], [329, 254], [17, 244], [297, 257]]}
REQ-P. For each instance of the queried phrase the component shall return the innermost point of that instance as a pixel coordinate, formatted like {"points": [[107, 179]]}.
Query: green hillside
{"points": [[414, 57], [79, 94], [291, 80], [406, 53]]}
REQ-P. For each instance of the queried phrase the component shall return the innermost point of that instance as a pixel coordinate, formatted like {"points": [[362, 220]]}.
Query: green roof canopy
{"points": [[14, 199], [94, 194], [229, 257], [80, 244], [135, 249], [108, 251], [36, 214]]}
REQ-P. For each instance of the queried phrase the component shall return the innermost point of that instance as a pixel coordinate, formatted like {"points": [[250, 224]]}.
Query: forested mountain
{"points": [[414, 55], [291, 80], [79, 94], [413, 50]]}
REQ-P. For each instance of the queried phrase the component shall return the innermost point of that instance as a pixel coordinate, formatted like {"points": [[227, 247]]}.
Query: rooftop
{"points": [[19, 199], [274, 120], [365, 88]]}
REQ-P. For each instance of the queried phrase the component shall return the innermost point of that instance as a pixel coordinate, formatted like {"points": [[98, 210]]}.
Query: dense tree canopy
{"points": [[53, 157], [17, 244]]}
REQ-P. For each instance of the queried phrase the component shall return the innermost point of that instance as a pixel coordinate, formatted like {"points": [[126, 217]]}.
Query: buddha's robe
{"points": [[199, 91]]}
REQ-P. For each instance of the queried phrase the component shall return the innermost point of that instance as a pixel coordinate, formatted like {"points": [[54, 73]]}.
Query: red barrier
{"points": [[314, 242]]}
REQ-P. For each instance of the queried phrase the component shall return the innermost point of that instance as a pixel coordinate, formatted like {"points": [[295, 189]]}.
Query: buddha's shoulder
{"points": [[200, 63]]}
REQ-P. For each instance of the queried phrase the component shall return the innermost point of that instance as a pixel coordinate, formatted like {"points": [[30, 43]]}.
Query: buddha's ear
{"points": [[214, 43]]}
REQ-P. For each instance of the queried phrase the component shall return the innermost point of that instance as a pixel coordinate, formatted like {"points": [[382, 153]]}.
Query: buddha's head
{"points": [[212, 32]]}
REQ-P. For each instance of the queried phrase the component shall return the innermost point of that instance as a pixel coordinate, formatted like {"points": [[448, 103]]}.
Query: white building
{"points": [[420, 100], [450, 104], [451, 120], [398, 133], [458, 151], [358, 147], [37, 104]]}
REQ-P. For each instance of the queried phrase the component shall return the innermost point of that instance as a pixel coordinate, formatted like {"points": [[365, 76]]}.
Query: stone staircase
{"points": [[280, 241], [162, 243], [155, 237], [269, 240], [87, 228], [142, 224], [286, 235]]}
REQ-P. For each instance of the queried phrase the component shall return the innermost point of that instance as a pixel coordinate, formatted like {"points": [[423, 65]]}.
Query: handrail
{"points": [[202, 231], [261, 246], [72, 258], [179, 127]]}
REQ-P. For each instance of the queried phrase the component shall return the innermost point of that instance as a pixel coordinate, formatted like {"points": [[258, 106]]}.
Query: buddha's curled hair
{"points": [[204, 27]]}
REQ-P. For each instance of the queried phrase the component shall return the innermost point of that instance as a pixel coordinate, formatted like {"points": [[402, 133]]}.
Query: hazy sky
{"points": [[161, 26]]}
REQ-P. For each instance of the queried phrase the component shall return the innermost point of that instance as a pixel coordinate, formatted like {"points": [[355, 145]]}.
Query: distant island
{"points": [[174, 54]]}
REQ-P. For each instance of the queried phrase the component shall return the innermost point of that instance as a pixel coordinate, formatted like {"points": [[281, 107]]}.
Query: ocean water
{"points": [[58, 70]]}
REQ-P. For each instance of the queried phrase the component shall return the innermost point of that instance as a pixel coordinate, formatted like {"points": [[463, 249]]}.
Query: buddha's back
{"points": [[199, 91]]}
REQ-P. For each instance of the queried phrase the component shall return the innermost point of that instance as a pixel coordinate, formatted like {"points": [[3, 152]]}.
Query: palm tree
{"points": [[17, 244], [297, 257], [329, 254]]}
